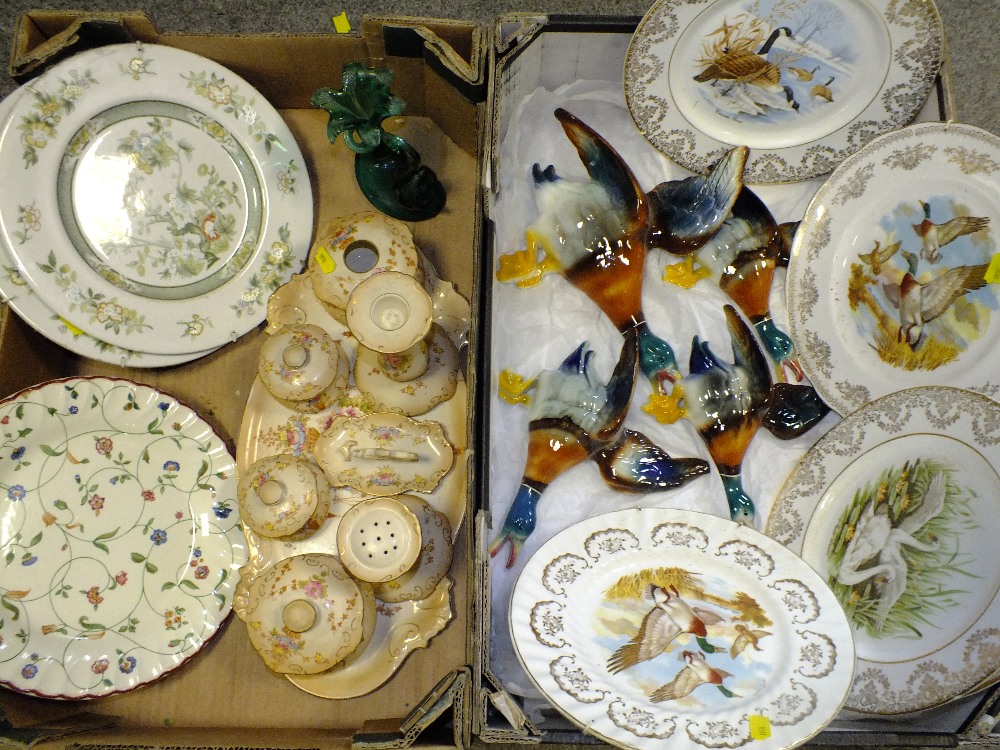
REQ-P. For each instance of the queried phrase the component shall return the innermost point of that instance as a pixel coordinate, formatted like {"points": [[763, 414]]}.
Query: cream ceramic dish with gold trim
{"points": [[384, 453], [270, 427]]}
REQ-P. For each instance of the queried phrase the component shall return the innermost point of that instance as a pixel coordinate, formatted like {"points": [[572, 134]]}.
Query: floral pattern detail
{"points": [[96, 521], [231, 101], [38, 127]]}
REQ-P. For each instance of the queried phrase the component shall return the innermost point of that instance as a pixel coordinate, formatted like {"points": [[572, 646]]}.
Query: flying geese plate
{"points": [[896, 508], [804, 85], [888, 283], [653, 628]]}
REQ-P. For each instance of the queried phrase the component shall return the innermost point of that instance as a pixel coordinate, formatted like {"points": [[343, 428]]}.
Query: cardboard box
{"points": [[225, 696], [533, 53]]}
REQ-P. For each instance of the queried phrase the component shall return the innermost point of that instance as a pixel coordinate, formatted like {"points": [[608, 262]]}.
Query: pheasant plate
{"points": [[896, 508], [802, 84], [655, 628], [889, 279]]}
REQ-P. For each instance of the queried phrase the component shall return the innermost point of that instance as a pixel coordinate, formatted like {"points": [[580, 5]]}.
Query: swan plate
{"points": [[896, 508], [655, 628]]}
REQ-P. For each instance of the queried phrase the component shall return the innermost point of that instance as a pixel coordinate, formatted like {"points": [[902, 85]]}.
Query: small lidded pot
{"points": [[304, 368], [354, 248], [305, 614], [391, 314], [434, 561], [378, 539], [279, 495]]}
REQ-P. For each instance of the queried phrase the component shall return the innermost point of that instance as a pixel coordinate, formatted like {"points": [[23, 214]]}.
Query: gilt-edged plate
{"points": [[163, 197], [888, 281], [804, 85], [897, 507], [33, 310], [653, 628], [119, 533]]}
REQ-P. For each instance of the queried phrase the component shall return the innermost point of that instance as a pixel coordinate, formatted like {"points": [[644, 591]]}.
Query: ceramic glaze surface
{"points": [[384, 454], [655, 628], [357, 247], [803, 86], [305, 614], [303, 364], [887, 281], [433, 562], [209, 187], [119, 536], [896, 507], [272, 427], [279, 495], [378, 539], [20, 297]]}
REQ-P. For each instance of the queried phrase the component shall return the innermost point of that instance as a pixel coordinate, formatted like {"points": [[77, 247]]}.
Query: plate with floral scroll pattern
{"points": [[655, 628], [804, 85], [164, 198], [897, 508], [888, 283], [120, 542]]}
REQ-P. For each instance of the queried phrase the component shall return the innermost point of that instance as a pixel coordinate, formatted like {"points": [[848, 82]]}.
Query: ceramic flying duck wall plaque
{"points": [[574, 418]]}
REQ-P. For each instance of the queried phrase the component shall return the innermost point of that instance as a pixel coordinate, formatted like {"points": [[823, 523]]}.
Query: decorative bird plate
{"points": [[896, 507], [804, 85], [120, 541], [164, 198], [889, 279], [654, 628]]}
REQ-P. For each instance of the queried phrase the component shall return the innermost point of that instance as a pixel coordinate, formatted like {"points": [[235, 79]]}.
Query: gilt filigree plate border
{"points": [[770, 663], [915, 36], [896, 675], [874, 197]]}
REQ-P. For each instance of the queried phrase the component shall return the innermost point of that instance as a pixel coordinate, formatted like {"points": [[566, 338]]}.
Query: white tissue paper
{"points": [[535, 328]]}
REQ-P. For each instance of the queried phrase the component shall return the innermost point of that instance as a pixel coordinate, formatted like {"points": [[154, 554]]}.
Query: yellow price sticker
{"points": [[760, 727], [71, 328], [340, 23], [993, 270], [324, 260]]}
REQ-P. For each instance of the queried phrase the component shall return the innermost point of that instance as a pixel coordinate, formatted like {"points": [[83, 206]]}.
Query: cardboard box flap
{"points": [[455, 50], [450, 695], [44, 37]]}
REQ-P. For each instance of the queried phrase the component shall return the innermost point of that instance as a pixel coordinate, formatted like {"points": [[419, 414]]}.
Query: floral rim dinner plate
{"points": [[654, 628], [897, 508], [804, 85], [887, 281], [120, 546], [35, 312], [209, 213]]}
